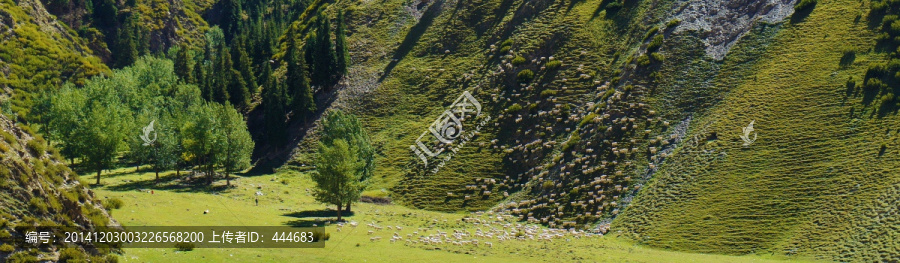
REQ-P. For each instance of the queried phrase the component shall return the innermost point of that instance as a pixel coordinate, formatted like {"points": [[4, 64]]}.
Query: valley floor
{"points": [[285, 200]]}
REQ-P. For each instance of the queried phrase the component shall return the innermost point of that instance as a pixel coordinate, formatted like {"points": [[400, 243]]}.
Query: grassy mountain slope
{"points": [[818, 176], [38, 52], [37, 189], [458, 45]]}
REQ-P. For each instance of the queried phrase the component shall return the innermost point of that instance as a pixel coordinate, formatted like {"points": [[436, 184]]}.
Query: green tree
{"points": [[126, 50], [342, 58], [231, 18], [200, 138], [162, 152], [213, 85], [244, 80], [320, 55], [334, 176], [347, 127], [183, 65], [105, 13], [237, 146], [297, 81], [103, 129], [222, 75], [64, 117], [186, 97], [274, 101], [238, 94]]}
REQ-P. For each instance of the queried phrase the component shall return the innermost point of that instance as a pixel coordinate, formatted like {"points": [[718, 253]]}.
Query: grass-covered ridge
{"points": [[38, 53], [820, 165]]}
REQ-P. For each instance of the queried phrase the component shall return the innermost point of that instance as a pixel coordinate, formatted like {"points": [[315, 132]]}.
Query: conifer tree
{"points": [[273, 101], [231, 18], [297, 81], [221, 75], [342, 58], [183, 65]]}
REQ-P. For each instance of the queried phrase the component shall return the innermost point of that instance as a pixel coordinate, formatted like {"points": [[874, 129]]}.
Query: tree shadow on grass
{"points": [[318, 213], [413, 36], [171, 182], [315, 217]]}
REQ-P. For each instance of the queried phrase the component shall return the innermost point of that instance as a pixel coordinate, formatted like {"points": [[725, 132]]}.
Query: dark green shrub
{"points": [[7, 248], [22, 256], [548, 93], [643, 60], [615, 80], [655, 43], [657, 57], [650, 33], [848, 57], [505, 46], [36, 147], [320, 236], [613, 7], [874, 85], [887, 100], [37, 204], [8, 137], [607, 94], [573, 140], [184, 246], [514, 108], [555, 64], [518, 60], [587, 119], [673, 23], [804, 5], [547, 185], [113, 203], [71, 254], [525, 76]]}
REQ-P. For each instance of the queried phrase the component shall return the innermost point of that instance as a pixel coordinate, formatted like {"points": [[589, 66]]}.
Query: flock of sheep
{"points": [[485, 229]]}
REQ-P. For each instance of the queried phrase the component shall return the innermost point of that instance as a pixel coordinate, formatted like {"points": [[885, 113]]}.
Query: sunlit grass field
{"points": [[285, 201]]}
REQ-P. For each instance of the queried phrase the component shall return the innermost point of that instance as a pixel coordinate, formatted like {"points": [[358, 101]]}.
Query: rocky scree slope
{"points": [[38, 189]]}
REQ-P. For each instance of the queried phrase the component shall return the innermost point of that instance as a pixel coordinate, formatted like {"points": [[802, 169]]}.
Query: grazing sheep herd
{"points": [[620, 142], [481, 229]]}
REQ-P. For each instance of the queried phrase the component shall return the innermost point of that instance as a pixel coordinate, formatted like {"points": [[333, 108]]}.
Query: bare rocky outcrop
{"points": [[723, 22]]}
